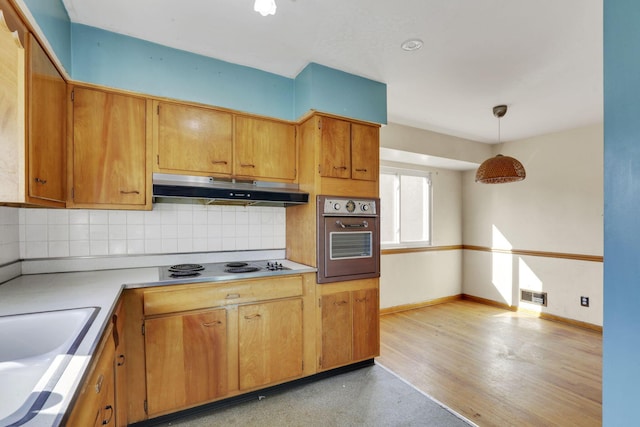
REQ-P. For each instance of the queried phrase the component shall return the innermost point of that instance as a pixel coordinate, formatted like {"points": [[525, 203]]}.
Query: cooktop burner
{"points": [[236, 264], [185, 270], [224, 270], [242, 269]]}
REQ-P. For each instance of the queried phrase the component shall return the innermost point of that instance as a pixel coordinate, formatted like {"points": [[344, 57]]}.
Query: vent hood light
{"points": [[265, 7], [227, 192]]}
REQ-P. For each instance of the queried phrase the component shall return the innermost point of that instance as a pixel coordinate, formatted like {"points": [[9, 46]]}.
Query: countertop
{"points": [[56, 291]]}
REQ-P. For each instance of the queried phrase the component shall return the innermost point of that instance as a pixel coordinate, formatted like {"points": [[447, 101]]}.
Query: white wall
{"points": [[557, 208], [408, 278]]}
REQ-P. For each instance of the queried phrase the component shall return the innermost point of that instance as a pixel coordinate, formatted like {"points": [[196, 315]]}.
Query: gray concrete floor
{"points": [[370, 396]]}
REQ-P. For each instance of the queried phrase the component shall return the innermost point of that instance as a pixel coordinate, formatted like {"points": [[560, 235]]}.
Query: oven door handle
{"points": [[364, 224]]}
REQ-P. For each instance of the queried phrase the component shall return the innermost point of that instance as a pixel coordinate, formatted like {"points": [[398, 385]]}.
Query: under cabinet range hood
{"points": [[227, 192]]}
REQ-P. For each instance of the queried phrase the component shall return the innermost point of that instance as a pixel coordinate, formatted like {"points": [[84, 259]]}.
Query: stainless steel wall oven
{"points": [[348, 238]]}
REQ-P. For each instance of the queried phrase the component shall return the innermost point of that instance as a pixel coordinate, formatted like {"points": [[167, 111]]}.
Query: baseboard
{"points": [[545, 316], [407, 307]]}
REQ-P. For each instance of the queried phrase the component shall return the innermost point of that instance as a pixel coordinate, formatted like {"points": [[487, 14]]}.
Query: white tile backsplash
{"points": [[169, 228]]}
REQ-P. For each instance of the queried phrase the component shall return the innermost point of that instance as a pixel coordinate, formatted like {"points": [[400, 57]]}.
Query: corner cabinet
{"points": [[349, 323], [33, 125], [189, 139], [110, 154]]}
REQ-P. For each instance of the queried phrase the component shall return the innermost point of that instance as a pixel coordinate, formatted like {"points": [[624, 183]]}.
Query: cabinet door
{"points": [[47, 124], [335, 148], [336, 327], [186, 360], [365, 152], [366, 338], [265, 149], [109, 148], [193, 139], [270, 342], [95, 404], [120, 366]]}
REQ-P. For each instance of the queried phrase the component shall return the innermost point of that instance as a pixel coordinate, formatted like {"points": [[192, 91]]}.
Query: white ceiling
{"points": [[543, 58]]}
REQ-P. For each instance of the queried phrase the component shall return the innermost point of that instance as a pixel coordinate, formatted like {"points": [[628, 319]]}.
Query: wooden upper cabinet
{"points": [[335, 148], [47, 103], [365, 151], [348, 150], [265, 149], [192, 139], [109, 158]]}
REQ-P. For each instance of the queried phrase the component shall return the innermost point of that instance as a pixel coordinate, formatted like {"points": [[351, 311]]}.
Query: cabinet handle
{"points": [[40, 181], [108, 420], [247, 165], [339, 303], [99, 383], [253, 316], [340, 167], [361, 170], [209, 324], [361, 300], [232, 296], [121, 360], [219, 162], [129, 192]]}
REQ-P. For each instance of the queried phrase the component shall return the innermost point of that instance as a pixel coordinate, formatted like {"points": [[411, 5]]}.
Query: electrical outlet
{"points": [[584, 301]]}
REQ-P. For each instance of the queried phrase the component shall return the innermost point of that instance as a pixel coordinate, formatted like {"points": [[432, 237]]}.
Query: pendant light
{"points": [[265, 7], [500, 169]]}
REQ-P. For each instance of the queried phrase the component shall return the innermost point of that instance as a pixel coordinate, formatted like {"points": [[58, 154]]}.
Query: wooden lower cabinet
{"points": [[269, 342], [186, 360], [95, 406], [348, 327]]}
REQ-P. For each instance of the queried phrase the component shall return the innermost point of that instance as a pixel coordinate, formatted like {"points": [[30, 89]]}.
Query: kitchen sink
{"points": [[35, 350]]}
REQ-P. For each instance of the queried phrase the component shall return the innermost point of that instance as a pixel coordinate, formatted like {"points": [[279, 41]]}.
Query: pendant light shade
{"points": [[500, 169], [265, 7]]}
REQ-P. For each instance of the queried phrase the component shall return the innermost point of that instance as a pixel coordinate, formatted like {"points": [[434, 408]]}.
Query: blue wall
{"points": [[326, 89], [52, 18], [114, 60], [102, 57], [621, 348]]}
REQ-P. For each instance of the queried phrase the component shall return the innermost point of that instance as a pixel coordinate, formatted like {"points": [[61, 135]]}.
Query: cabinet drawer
{"points": [[194, 297]]}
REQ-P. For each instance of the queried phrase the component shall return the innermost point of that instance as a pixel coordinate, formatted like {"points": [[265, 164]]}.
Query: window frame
{"points": [[398, 172]]}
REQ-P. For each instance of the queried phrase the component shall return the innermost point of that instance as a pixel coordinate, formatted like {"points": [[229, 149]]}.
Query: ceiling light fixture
{"points": [[265, 7], [500, 169], [411, 45]]}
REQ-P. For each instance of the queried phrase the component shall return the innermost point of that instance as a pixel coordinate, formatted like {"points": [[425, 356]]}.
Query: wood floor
{"points": [[497, 367]]}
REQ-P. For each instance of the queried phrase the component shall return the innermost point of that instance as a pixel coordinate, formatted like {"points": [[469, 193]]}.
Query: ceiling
{"points": [[542, 58]]}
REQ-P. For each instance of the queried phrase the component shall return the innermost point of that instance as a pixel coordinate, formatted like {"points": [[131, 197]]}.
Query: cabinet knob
{"points": [[361, 170], [339, 303], [232, 296], [121, 360], [219, 162], [253, 316], [129, 192], [340, 168], [98, 385], [247, 165], [40, 181]]}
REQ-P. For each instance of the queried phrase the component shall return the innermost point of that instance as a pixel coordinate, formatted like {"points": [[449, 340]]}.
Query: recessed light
{"points": [[411, 44]]}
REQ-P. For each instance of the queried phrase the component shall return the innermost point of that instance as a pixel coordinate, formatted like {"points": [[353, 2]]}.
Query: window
{"points": [[405, 213]]}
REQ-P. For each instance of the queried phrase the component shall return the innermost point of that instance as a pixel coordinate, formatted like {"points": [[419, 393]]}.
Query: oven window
{"points": [[353, 244]]}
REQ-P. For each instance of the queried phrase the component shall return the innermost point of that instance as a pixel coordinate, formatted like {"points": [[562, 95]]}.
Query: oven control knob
{"points": [[365, 207], [336, 206]]}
